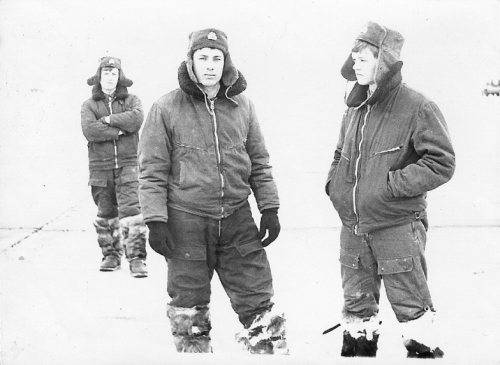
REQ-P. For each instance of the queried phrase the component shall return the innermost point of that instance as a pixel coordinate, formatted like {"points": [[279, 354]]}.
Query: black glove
{"points": [[160, 238], [269, 222]]}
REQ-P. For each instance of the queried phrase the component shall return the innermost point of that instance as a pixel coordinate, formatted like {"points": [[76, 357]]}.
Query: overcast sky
{"points": [[289, 51]]}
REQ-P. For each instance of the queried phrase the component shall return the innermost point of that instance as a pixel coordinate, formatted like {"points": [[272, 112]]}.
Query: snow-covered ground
{"points": [[57, 308]]}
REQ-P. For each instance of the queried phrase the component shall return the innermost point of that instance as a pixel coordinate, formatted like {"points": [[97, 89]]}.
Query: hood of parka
{"points": [[190, 87], [389, 43]]}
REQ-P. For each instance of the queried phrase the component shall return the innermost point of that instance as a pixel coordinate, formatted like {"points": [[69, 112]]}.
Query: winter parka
{"points": [[393, 148], [107, 147], [201, 156]]}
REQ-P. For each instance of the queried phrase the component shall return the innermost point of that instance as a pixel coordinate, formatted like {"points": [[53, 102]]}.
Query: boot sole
{"points": [[109, 269], [139, 275]]}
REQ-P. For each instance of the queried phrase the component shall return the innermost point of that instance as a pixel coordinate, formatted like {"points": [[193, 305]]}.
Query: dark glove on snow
{"points": [[160, 238], [269, 222]]}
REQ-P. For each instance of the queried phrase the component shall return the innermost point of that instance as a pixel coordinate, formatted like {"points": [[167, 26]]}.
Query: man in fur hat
{"points": [[394, 146], [111, 120], [201, 154]]}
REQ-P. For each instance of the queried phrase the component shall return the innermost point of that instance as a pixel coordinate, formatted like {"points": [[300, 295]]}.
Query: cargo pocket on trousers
{"points": [[190, 253], [98, 178], [102, 183], [349, 260], [248, 247], [395, 266]]}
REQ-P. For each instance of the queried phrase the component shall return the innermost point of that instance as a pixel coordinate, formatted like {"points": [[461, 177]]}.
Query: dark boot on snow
{"points": [[420, 351], [421, 335], [359, 347], [360, 336]]}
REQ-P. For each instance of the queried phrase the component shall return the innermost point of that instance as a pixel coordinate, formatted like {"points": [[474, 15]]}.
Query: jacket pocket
{"points": [[349, 260], [237, 169], [344, 169], [340, 188], [191, 175], [387, 150], [395, 266]]}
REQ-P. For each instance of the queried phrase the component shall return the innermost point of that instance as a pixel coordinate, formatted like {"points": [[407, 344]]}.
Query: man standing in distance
{"points": [[111, 120]]}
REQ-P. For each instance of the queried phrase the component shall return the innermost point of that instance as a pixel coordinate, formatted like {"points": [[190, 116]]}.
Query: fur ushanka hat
{"points": [[211, 38], [389, 43], [108, 61]]}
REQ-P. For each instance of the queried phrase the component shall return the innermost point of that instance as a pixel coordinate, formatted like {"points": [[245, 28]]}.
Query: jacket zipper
{"points": [[356, 171], [114, 141], [217, 148]]}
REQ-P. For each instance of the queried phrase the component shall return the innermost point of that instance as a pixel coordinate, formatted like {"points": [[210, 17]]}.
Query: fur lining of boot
{"points": [[190, 328], [360, 336], [109, 236], [421, 337], [194, 344], [266, 334], [134, 231]]}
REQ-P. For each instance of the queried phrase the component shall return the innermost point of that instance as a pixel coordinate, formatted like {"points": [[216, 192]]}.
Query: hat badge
{"points": [[212, 36], [112, 61]]}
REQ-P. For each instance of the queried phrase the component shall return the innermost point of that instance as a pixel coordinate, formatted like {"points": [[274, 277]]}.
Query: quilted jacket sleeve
{"points": [[154, 165], [130, 120], [436, 165], [92, 124], [261, 179]]}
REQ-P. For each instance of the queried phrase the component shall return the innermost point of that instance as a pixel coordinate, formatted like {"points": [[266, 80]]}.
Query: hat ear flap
{"points": [[190, 70], [347, 69], [229, 73], [95, 79], [122, 80]]}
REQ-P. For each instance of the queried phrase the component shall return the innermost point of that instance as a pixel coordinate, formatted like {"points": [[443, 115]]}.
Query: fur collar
{"points": [[359, 93], [189, 87], [120, 93]]}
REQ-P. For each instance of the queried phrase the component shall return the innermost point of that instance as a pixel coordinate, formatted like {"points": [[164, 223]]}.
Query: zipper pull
{"points": [[212, 104]]}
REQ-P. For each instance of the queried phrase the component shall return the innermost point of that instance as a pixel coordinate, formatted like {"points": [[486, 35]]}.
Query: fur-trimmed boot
{"points": [[420, 337], [360, 337], [133, 230], [266, 334], [109, 239], [190, 328]]}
